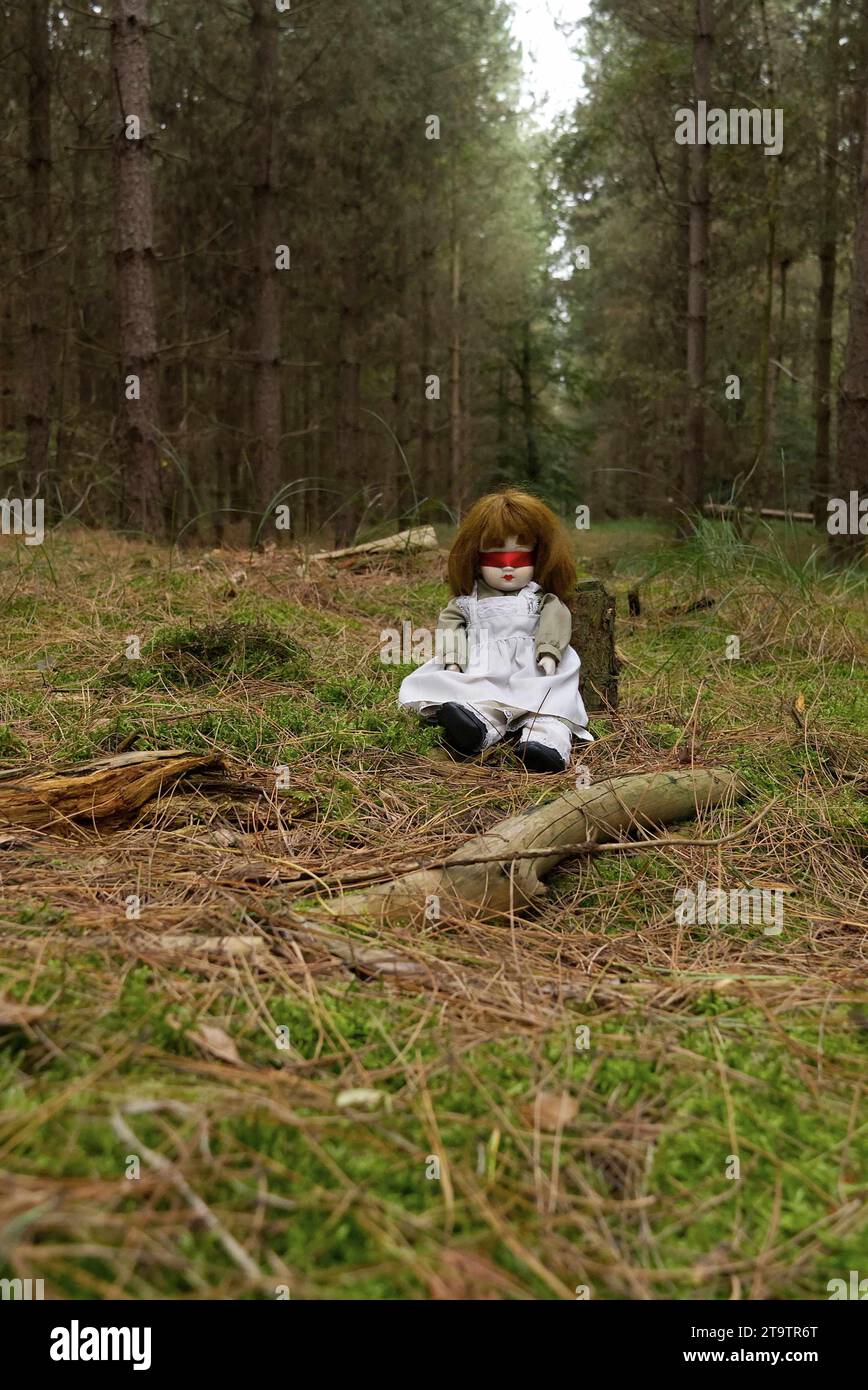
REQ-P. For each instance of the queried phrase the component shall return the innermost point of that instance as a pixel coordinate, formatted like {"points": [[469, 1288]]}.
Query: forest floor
{"points": [[283, 1112]]}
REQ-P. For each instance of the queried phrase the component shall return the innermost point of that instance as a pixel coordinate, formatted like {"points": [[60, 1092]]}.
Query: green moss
{"points": [[673, 1081], [10, 745], [198, 655], [777, 1137]]}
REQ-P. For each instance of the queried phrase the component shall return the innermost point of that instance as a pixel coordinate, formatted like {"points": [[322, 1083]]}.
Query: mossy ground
{"points": [[496, 1150]]}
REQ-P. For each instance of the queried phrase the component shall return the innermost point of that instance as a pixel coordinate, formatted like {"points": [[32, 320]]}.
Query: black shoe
{"points": [[462, 730], [538, 758]]}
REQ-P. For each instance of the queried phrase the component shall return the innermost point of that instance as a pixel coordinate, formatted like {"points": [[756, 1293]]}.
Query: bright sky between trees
{"points": [[552, 72]]}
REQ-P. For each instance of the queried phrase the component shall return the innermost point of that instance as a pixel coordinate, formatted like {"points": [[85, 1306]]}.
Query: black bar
{"points": [[239, 1338]]}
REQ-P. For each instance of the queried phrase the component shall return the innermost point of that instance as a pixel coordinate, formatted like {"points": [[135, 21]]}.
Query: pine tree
{"points": [[143, 503]]}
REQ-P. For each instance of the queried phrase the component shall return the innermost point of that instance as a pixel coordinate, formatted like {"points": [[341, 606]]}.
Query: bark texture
{"points": [[110, 788], [693, 470], [828, 268], [852, 469], [265, 453], [142, 506], [36, 259], [594, 640]]}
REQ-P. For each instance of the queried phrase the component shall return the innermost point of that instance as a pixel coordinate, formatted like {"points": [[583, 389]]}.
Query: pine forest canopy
{"points": [[319, 255]]}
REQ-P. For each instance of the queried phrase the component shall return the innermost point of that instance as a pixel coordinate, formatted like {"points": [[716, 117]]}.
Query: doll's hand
{"points": [[548, 664]]}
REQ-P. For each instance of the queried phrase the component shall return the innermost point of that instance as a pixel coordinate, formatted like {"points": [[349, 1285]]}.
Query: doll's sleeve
{"points": [[555, 628], [454, 648]]}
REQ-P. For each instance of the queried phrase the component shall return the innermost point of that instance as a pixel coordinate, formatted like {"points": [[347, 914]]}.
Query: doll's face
{"points": [[508, 567]]}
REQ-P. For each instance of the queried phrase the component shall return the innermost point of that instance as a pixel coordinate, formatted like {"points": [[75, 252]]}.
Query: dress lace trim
{"points": [[470, 604]]}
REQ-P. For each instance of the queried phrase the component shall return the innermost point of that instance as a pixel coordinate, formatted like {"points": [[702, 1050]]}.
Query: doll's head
{"points": [[509, 538]]}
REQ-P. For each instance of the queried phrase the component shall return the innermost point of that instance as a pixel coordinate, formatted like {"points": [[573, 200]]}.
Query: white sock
{"points": [[495, 721], [550, 731]]}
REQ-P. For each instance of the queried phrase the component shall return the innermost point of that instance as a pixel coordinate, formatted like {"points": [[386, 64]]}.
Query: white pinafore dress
{"points": [[501, 666]]}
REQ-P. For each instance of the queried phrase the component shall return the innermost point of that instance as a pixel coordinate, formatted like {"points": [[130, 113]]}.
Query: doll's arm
{"points": [[553, 633], [452, 621]]}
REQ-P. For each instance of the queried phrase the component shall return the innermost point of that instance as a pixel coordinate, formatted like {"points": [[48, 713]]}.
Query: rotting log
{"points": [[502, 869], [105, 789], [593, 637]]}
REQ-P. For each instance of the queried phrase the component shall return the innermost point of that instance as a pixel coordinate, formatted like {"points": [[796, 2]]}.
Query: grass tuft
{"points": [[198, 655]]}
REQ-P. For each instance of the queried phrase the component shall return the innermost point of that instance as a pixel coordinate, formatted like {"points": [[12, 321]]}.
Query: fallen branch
{"points": [[612, 846], [418, 538], [503, 868], [778, 513], [581, 847]]}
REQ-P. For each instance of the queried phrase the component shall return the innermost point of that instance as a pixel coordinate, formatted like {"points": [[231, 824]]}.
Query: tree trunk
{"points": [[313, 432], [670, 484], [8, 355], [427, 407], [349, 473], [852, 462], [501, 416], [397, 492], [35, 260], [72, 373], [680, 281], [527, 407], [265, 451], [775, 368], [142, 507], [757, 491], [828, 267], [693, 469], [456, 459], [83, 385], [757, 485]]}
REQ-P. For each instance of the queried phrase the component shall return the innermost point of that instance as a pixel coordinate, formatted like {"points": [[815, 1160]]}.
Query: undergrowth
{"points": [[560, 1107]]}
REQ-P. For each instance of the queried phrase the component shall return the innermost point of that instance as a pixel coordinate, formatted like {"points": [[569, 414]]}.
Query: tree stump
{"points": [[593, 637]]}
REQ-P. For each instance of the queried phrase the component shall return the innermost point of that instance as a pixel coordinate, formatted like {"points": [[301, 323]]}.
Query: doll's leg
{"points": [[469, 728], [544, 743]]}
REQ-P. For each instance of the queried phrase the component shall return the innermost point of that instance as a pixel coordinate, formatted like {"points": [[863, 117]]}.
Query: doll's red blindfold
{"points": [[507, 559]]}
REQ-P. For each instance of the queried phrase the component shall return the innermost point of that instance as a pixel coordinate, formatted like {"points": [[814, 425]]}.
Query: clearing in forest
{"points": [[593, 1095]]}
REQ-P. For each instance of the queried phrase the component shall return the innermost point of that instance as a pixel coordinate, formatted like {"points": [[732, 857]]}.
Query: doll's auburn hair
{"points": [[513, 513]]}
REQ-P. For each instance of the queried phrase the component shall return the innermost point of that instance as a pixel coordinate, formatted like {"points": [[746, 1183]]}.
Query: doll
{"points": [[503, 664]]}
